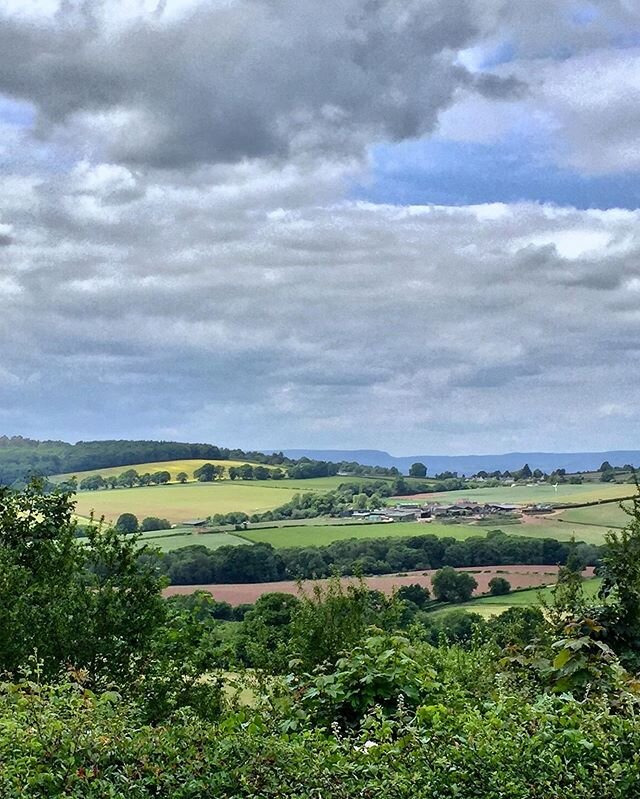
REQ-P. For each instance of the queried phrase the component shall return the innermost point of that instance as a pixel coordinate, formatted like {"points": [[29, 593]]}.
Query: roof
{"points": [[195, 522]]}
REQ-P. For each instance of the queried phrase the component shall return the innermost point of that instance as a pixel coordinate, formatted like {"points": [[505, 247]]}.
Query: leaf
{"points": [[562, 658]]}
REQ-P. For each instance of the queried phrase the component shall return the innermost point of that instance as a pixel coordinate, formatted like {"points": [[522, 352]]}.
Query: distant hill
{"points": [[470, 464]]}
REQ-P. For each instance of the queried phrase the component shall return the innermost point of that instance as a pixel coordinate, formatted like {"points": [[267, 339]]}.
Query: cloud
{"points": [[178, 253], [251, 310], [251, 79]]}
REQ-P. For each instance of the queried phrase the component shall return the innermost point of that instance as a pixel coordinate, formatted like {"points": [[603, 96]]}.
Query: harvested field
{"points": [[520, 576]]}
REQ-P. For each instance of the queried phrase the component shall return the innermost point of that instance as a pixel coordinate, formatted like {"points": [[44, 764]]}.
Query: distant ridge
{"points": [[471, 464]]}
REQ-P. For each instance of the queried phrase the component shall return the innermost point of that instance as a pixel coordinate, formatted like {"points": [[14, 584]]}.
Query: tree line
{"points": [[263, 563]]}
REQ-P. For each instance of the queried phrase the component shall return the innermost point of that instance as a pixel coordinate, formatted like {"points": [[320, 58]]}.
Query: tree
{"points": [[261, 473], [154, 523], [498, 586], [128, 478], [525, 472], [620, 569], [418, 470], [93, 604], [182, 477], [450, 585], [208, 472], [127, 523], [92, 483], [605, 466], [415, 593], [245, 472], [266, 630]]}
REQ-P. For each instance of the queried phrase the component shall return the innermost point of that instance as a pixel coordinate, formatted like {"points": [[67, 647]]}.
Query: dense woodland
{"points": [[107, 690]]}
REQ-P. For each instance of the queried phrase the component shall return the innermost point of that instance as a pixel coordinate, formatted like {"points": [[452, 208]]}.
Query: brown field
{"points": [[520, 576]]}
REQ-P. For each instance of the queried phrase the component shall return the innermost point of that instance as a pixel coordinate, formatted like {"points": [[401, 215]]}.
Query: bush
{"points": [[498, 586]]}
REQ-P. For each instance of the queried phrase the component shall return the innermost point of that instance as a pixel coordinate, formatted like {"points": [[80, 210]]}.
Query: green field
{"points": [[608, 515], [492, 605], [316, 536], [309, 534], [172, 541], [543, 494], [177, 503]]}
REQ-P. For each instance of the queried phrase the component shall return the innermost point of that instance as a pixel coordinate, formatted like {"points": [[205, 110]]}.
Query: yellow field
{"points": [[173, 467], [177, 503]]}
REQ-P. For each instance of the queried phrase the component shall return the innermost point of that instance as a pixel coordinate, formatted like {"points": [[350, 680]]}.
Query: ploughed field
{"points": [[519, 576]]}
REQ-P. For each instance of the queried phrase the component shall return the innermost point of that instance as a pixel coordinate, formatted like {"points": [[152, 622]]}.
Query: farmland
{"points": [[519, 576], [544, 493], [492, 605], [177, 502], [173, 467], [176, 540]]}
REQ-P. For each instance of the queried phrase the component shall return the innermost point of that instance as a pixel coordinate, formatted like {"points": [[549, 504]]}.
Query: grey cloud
{"points": [[243, 80], [316, 324]]}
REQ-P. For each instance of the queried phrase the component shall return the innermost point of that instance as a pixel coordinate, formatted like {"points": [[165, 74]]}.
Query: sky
{"points": [[409, 225]]}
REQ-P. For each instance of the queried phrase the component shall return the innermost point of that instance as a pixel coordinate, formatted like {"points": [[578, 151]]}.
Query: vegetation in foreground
{"points": [[109, 691]]}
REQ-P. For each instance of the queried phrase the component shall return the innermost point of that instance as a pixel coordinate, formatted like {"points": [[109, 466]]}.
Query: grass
{"points": [[587, 492], [177, 502], [171, 541], [492, 605], [307, 535], [607, 516]]}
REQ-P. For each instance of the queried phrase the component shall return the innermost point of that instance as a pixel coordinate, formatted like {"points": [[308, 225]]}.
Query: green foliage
{"points": [[266, 630], [127, 523], [620, 569], [150, 523], [498, 586], [334, 617], [384, 671], [452, 586]]}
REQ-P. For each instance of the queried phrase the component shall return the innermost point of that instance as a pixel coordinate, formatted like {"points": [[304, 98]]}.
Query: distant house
{"points": [[195, 523], [397, 515]]}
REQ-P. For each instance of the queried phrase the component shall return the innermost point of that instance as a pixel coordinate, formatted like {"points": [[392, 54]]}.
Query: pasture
{"points": [[310, 533], [610, 515], [492, 605], [542, 494], [172, 541]]}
